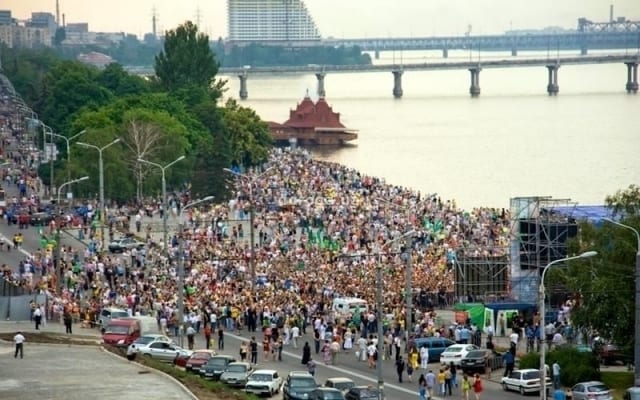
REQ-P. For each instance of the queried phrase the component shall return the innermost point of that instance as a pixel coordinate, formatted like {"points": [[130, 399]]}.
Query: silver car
{"points": [[236, 374], [158, 347], [593, 390]]}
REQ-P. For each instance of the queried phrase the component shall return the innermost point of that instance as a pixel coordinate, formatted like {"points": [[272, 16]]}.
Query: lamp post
{"points": [[164, 196], [101, 169], [181, 265], [636, 353], [58, 209], [379, 314], [541, 307], [251, 216], [67, 140]]}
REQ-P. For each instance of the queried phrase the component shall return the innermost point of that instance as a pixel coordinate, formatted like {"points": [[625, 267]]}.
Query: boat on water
{"points": [[312, 124]]}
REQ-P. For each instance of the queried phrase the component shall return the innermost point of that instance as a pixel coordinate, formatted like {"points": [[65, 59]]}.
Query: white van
{"points": [[349, 305]]}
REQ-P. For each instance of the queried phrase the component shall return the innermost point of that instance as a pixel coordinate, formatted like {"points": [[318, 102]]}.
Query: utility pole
{"points": [[101, 172]]}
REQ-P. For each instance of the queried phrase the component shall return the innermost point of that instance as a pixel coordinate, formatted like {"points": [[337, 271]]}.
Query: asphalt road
{"points": [[54, 372]]}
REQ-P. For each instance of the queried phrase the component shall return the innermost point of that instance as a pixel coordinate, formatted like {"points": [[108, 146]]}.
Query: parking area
{"points": [[54, 372]]}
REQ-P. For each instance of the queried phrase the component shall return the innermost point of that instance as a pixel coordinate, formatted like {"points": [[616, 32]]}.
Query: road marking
{"points": [[21, 250], [341, 370]]}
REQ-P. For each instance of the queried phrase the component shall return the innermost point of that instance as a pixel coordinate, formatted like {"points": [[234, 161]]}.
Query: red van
{"points": [[121, 332]]}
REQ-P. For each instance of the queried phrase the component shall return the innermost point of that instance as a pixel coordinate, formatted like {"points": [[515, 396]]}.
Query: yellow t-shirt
{"points": [[441, 377]]}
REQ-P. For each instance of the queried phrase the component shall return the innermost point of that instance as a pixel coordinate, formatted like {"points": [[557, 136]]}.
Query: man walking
{"points": [[37, 316], [19, 341], [556, 375]]}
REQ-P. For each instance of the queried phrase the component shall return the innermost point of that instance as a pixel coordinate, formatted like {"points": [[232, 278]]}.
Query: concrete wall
{"points": [[16, 308]]}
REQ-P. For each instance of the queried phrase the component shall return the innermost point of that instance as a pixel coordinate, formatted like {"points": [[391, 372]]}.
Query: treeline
{"points": [[176, 113]]}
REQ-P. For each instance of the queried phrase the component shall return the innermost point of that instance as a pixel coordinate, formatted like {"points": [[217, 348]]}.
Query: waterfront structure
{"points": [[312, 123], [270, 21]]}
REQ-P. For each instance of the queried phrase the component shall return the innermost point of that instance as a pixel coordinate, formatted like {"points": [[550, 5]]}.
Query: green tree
{"points": [[208, 178], [120, 82], [186, 60], [249, 137], [603, 285]]}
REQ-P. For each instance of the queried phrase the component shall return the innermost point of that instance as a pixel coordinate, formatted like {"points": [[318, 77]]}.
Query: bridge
{"points": [[474, 67]]}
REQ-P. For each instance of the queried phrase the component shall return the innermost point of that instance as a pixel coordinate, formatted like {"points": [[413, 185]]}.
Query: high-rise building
{"points": [[43, 20], [270, 21], [5, 17]]}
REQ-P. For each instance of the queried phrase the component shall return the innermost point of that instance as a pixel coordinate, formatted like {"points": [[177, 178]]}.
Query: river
{"points": [[514, 140]]}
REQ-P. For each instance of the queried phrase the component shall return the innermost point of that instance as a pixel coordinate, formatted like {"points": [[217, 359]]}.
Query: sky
{"points": [[342, 18]]}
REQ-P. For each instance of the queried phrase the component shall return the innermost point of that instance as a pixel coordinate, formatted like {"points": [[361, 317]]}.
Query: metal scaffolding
{"points": [[539, 236], [482, 274]]}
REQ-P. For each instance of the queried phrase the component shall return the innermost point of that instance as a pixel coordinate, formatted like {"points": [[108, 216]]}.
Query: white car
{"points": [[524, 381], [264, 381], [455, 353], [158, 347]]}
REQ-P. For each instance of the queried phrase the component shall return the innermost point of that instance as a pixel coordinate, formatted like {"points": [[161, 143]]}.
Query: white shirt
{"points": [[37, 312], [18, 338], [295, 332], [514, 338]]}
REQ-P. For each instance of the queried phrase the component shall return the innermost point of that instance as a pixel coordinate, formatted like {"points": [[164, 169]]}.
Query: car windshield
{"points": [[118, 314], [144, 340], [597, 388], [261, 377], [117, 329], [342, 385], [236, 368], [453, 349], [531, 375], [202, 356], [303, 383]]}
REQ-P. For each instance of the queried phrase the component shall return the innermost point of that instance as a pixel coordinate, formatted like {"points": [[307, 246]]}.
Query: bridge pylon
{"points": [[397, 82], [474, 89], [244, 94], [320, 76], [552, 85], [632, 77]]}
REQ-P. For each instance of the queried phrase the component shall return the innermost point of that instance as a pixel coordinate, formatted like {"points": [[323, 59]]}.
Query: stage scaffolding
{"points": [[538, 236], [482, 274]]}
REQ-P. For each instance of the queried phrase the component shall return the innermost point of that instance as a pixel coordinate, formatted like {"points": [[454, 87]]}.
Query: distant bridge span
{"points": [[552, 64]]}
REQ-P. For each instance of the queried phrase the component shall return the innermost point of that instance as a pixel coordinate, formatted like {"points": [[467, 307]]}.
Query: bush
{"points": [[575, 366]]}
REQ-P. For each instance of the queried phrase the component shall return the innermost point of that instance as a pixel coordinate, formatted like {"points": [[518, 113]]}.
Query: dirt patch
{"points": [[50, 338], [203, 389]]}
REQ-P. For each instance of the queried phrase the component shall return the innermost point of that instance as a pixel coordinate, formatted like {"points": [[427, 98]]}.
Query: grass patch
{"points": [[203, 389], [51, 338], [618, 381]]}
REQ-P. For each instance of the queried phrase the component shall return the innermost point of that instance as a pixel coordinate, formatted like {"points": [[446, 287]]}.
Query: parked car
{"points": [[633, 393], [236, 374], [609, 354], [342, 384], [298, 385], [125, 243], [159, 348], [40, 219], [362, 393], [264, 381], [455, 353], [107, 314], [524, 381], [216, 366], [593, 390], [198, 359], [435, 345], [476, 361], [325, 393]]}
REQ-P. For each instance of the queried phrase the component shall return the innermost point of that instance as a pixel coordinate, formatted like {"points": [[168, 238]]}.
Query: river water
{"points": [[514, 140]]}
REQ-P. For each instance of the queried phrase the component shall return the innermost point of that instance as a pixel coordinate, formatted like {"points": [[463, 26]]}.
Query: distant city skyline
{"points": [[335, 18]]}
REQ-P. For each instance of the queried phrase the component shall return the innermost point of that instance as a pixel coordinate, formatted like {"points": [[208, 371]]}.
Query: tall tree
{"points": [[604, 286], [248, 135], [186, 60]]}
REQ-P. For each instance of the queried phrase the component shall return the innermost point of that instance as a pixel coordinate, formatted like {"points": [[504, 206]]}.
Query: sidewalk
{"points": [[50, 327]]}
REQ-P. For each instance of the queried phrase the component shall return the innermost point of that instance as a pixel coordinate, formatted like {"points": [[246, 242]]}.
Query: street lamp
{"points": [[379, 305], [541, 295], [636, 354], [101, 168], [164, 195], [251, 180], [181, 265], [67, 140], [58, 209]]}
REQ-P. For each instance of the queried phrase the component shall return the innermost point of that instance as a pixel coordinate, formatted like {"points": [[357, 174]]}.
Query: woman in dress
{"points": [[348, 340], [244, 349], [326, 352], [477, 386], [266, 347], [306, 353]]}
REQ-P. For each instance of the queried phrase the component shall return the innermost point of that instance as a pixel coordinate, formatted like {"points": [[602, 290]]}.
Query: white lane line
{"points": [[21, 250], [341, 370]]}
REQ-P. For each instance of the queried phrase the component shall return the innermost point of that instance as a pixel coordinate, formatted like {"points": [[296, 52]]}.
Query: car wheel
{"points": [[147, 355], [505, 387], [522, 390]]}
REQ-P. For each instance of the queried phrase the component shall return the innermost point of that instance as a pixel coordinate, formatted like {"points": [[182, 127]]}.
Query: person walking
{"points": [[220, 339], [311, 366], [422, 387], [556, 375], [191, 333], [207, 336], [244, 349], [453, 369], [509, 362], [400, 368], [477, 386], [466, 387], [424, 358], [37, 316], [253, 346], [19, 340], [67, 322], [442, 381], [306, 353], [431, 383]]}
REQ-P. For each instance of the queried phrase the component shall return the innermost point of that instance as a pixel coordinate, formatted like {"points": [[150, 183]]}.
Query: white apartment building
{"points": [[24, 36], [270, 21]]}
